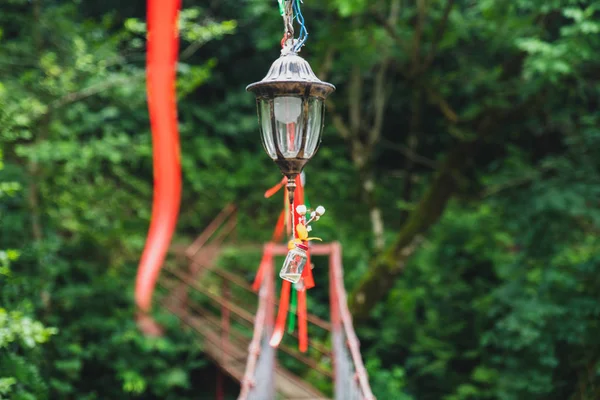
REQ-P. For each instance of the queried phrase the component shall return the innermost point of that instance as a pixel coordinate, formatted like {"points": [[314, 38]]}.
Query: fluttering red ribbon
{"points": [[163, 48], [276, 188]]}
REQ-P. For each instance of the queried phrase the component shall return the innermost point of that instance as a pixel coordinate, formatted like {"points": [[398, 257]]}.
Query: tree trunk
{"points": [[385, 268], [377, 227]]}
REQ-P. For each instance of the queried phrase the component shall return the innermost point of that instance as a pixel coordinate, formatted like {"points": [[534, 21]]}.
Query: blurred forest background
{"points": [[460, 166]]}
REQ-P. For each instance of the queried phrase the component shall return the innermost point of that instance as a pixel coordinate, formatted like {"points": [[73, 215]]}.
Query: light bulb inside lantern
{"points": [[287, 109]]}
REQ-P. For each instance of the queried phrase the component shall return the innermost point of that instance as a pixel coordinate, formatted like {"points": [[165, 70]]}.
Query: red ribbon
{"points": [[278, 232], [307, 276], [163, 47], [302, 322], [276, 188]]}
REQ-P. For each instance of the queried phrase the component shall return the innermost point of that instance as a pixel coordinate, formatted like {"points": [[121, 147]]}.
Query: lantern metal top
{"points": [[291, 75]]}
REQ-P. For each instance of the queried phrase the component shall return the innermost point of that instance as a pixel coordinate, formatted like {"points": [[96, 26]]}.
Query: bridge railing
{"points": [[222, 306], [351, 380], [237, 325]]}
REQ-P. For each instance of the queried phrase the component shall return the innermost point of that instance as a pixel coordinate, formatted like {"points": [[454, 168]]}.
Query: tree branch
{"points": [[418, 35], [327, 65], [354, 99], [379, 89], [363, 156], [391, 30], [93, 90], [340, 126], [408, 153], [520, 181], [439, 34], [338, 121], [445, 108], [379, 103]]}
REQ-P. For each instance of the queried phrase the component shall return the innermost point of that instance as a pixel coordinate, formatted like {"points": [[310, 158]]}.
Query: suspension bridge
{"points": [[235, 322]]}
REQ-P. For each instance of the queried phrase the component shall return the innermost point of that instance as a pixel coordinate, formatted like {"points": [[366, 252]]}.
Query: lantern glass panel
{"points": [[315, 126], [266, 127], [289, 124]]}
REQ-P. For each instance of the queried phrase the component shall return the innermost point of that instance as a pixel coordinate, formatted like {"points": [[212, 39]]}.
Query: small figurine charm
{"points": [[296, 258]]}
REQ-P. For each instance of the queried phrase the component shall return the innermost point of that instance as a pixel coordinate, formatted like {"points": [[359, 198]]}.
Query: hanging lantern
{"points": [[291, 105], [291, 111]]}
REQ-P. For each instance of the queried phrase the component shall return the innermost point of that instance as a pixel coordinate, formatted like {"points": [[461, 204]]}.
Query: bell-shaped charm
{"points": [[294, 263]]}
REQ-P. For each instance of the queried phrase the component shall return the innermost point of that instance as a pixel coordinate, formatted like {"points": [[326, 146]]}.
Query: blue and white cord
{"points": [[303, 32]]}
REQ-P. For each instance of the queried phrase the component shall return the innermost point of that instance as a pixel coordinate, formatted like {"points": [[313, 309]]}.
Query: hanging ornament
{"points": [[297, 257]]}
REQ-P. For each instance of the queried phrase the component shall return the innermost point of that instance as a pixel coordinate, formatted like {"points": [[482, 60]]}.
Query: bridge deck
{"points": [[232, 358]]}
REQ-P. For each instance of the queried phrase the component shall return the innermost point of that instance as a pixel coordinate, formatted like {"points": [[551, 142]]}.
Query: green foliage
{"points": [[516, 309], [78, 156], [387, 384], [20, 335], [20, 355], [14, 327]]}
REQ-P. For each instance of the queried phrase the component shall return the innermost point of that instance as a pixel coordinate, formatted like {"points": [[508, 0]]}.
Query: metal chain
{"points": [[288, 24]]}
